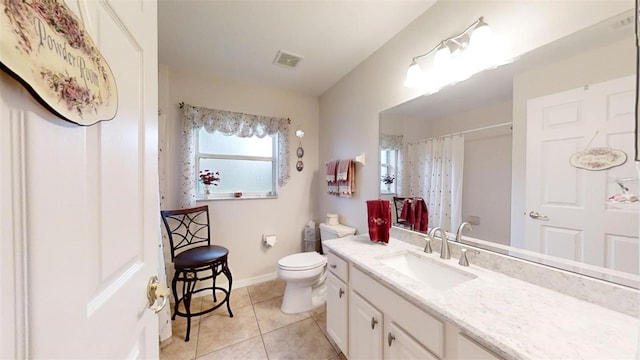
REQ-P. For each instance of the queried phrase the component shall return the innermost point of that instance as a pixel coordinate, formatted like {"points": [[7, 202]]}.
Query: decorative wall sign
{"points": [[600, 158], [46, 48]]}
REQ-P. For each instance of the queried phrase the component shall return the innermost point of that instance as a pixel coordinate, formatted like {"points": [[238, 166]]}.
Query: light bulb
{"points": [[480, 35], [442, 58], [414, 75]]}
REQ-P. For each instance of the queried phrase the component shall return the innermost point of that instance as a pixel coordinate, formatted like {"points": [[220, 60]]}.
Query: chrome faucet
{"points": [[427, 246], [444, 249], [460, 228], [464, 261]]}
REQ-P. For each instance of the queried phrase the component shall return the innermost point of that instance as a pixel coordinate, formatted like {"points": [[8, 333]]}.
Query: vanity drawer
{"points": [[338, 266]]}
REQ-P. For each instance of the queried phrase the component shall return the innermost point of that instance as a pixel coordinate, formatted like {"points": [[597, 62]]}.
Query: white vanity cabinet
{"points": [[383, 325], [407, 331], [337, 301], [467, 349], [365, 329]]}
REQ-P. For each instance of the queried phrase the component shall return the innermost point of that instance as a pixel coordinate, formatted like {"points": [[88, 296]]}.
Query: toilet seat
{"points": [[302, 261]]}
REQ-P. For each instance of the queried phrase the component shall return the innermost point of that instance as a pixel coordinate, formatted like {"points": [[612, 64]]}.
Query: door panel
{"points": [[91, 202]]}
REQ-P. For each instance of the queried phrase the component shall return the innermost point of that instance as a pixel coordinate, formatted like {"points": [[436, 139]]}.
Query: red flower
{"points": [[208, 177]]}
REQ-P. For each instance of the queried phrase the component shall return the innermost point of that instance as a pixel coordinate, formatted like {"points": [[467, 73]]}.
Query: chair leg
{"points": [[214, 274], [190, 285], [174, 283], [227, 273]]}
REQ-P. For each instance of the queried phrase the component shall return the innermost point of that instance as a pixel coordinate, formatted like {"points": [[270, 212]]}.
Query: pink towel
{"points": [[332, 182], [379, 218], [346, 178], [342, 173]]}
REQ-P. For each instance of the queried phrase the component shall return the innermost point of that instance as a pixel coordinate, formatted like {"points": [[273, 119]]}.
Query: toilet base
{"points": [[299, 299]]}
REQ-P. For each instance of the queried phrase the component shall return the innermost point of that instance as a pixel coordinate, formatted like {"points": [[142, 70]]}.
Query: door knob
{"points": [[340, 292], [535, 215], [390, 338], [373, 323], [153, 293]]}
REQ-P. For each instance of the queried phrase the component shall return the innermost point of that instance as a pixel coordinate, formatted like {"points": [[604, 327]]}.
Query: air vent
{"points": [[623, 22], [287, 59]]}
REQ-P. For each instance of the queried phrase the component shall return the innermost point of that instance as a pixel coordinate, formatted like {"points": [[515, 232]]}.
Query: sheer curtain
{"points": [[434, 172], [228, 123]]}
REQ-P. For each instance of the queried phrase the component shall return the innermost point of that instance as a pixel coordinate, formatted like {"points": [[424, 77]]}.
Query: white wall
{"points": [[349, 111], [239, 224]]}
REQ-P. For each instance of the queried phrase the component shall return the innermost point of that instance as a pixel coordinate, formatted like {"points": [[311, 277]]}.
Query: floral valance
{"points": [[235, 123], [390, 142], [228, 123]]}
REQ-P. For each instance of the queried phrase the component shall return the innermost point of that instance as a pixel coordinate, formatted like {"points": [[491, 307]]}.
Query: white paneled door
{"points": [[79, 209], [567, 210]]}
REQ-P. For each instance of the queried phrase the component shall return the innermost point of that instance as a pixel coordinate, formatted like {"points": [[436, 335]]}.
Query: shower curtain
{"points": [[435, 174]]}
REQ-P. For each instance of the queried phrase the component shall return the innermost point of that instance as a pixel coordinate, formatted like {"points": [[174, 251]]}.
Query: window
{"points": [[246, 165], [388, 170]]}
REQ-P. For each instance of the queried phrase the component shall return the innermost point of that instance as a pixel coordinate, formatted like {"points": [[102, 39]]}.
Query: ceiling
{"points": [[240, 39]]}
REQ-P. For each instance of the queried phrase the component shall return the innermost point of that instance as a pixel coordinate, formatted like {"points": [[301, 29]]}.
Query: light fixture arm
{"points": [[429, 52], [446, 49], [455, 39]]}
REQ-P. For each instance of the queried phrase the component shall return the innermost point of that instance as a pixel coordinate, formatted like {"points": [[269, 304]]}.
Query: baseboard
{"points": [[237, 284], [255, 280]]}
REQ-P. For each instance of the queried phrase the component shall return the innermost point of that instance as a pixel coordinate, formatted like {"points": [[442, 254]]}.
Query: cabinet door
{"points": [[365, 329], [337, 307], [467, 349], [400, 345]]}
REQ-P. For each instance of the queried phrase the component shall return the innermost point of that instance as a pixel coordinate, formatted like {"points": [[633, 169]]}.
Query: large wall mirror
{"points": [[538, 155]]}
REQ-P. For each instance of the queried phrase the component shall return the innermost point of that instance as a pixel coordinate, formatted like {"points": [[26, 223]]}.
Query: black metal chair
{"points": [[194, 259], [398, 203]]}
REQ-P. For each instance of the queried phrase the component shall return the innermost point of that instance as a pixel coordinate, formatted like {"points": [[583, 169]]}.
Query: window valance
{"points": [[390, 142]]}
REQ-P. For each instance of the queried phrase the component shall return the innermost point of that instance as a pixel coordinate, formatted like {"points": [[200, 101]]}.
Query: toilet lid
{"points": [[302, 261]]}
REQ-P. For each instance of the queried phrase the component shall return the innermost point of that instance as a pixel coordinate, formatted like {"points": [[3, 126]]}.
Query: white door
{"points": [[575, 221], [80, 213]]}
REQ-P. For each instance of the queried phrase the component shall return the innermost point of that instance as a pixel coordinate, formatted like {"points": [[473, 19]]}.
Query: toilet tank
{"points": [[328, 232]]}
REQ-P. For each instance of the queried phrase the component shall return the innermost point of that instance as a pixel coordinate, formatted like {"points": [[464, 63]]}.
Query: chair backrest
{"points": [[398, 202], [187, 228]]}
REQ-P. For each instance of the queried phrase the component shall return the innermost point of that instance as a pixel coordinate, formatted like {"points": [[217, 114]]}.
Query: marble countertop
{"points": [[513, 318]]}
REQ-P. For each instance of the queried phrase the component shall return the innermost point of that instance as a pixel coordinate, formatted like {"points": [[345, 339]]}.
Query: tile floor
{"points": [[258, 330]]}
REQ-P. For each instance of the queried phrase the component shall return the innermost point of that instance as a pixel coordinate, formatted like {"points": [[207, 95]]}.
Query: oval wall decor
{"points": [[600, 158], [46, 48]]}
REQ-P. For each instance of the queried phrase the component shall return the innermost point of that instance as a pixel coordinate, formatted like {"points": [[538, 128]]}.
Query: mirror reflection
{"points": [[495, 149]]}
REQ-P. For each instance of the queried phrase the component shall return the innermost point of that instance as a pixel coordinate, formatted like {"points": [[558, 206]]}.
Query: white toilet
{"points": [[305, 273]]}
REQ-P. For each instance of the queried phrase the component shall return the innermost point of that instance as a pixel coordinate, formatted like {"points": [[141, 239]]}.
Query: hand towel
{"points": [[408, 213], [421, 215], [342, 173], [346, 178], [379, 219], [332, 182]]}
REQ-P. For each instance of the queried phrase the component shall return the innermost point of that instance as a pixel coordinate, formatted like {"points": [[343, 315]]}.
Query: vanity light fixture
{"points": [[455, 58]]}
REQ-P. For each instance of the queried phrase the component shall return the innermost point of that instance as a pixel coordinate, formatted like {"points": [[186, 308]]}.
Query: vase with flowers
{"points": [[207, 178], [388, 179]]}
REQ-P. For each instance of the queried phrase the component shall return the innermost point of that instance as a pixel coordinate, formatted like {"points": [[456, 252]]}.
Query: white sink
{"points": [[429, 271]]}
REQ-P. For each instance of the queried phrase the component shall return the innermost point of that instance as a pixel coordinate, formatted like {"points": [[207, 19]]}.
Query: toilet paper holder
{"points": [[269, 240]]}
